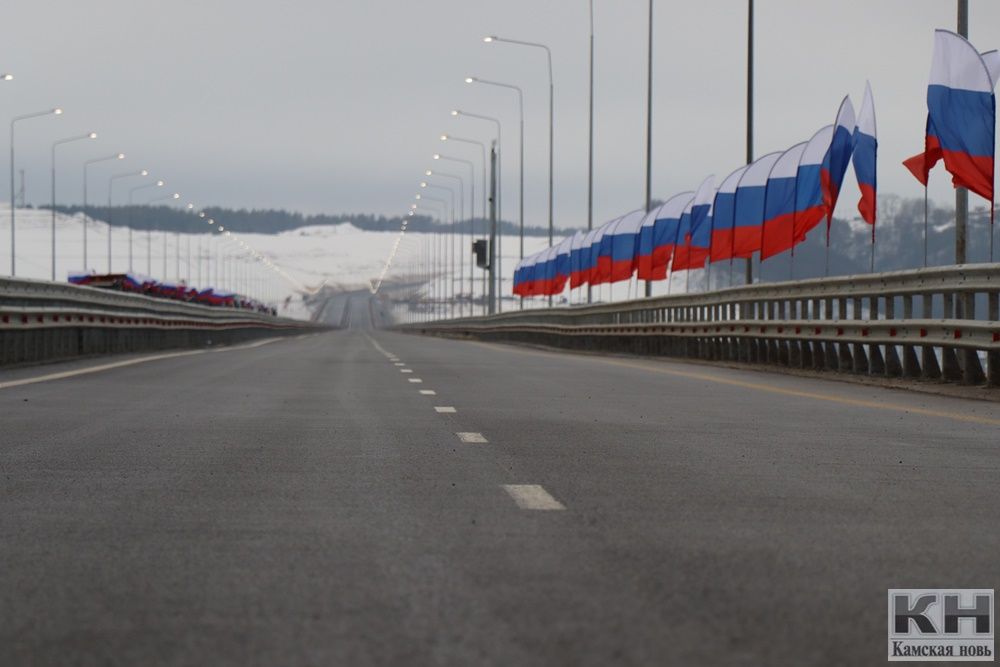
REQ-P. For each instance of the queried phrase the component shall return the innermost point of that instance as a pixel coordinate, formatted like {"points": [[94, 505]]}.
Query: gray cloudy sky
{"points": [[336, 105]]}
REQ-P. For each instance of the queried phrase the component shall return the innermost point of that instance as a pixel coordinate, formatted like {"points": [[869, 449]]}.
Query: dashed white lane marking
{"points": [[428, 392], [532, 497], [416, 380], [476, 438], [128, 362], [444, 409], [399, 363], [405, 370]]}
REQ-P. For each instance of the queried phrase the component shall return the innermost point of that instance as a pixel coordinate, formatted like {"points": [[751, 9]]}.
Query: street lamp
{"points": [[149, 260], [496, 121], [449, 137], [461, 206], [86, 165], [520, 186], [38, 114], [548, 55], [451, 252], [89, 135], [472, 189], [175, 195], [111, 182]]}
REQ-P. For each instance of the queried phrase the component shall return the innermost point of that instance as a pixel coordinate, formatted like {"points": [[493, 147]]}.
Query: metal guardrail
{"points": [[40, 321], [871, 324]]}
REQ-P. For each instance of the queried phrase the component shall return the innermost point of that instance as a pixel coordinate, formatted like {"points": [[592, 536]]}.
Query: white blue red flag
{"points": [[778, 231], [723, 212], [864, 158], [837, 157], [961, 115]]}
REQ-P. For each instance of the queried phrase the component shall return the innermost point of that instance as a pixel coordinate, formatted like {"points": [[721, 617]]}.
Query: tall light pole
{"points": [[149, 260], [435, 258], [649, 123], [89, 135], [472, 197], [495, 121], [548, 55], [590, 143], [962, 194], [520, 186], [86, 166], [174, 195], [38, 114], [482, 147], [749, 265], [451, 251], [448, 137], [461, 217], [111, 183]]}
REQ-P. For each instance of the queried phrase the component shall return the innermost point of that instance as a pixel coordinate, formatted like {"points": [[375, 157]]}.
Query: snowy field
{"points": [[339, 256]]}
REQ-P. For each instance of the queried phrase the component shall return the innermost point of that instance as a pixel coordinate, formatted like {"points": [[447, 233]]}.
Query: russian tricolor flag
{"points": [[961, 115], [748, 217], [865, 152], [624, 245], [778, 230], [695, 233], [644, 247], [837, 157], [576, 277], [665, 227], [600, 267], [723, 212], [562, 265], [809, 205]]}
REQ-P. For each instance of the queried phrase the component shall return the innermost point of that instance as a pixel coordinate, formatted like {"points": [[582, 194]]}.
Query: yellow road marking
{"points": [[759, 386]]}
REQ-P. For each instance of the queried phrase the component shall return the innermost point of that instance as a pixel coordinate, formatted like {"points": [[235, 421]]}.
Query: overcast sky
{"points": [[337, 105]]}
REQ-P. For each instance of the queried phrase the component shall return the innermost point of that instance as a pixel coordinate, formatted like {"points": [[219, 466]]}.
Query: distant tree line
{"points": [[267, 221]]}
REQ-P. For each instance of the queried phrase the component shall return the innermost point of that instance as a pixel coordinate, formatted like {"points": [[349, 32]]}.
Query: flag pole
{"points": [[925, 226], [749, 264], [873, 248], [961, 194]]}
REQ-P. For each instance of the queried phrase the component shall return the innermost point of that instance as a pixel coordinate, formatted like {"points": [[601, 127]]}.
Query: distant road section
{"points": [[368, 498]]}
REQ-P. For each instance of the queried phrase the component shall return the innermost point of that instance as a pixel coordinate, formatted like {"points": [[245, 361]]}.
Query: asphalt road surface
{"points": [[308, 502]]}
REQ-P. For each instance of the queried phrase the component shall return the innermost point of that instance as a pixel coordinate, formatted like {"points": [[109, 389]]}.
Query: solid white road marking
{"points": [[129, 362], [444, 409], [378, 347], [96, 369], [248, 346], [428, 392], [405, 370], [416, 380], [532, 497], [476, 438]]}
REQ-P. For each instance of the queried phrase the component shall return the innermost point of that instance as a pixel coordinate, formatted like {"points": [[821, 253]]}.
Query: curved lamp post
{"points": [[89, 135], [38, 114], [111, 183], [86, 166]]}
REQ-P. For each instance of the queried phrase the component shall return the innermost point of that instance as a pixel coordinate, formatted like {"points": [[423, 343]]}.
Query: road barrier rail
{"points": [[42, 321], [939, 323]]}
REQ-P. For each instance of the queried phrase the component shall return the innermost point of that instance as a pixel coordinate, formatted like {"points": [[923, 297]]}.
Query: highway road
{"points": [[372, 498]]}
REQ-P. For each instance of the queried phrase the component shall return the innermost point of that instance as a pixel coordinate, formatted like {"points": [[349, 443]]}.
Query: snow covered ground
{"points": [[341, 256]]}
